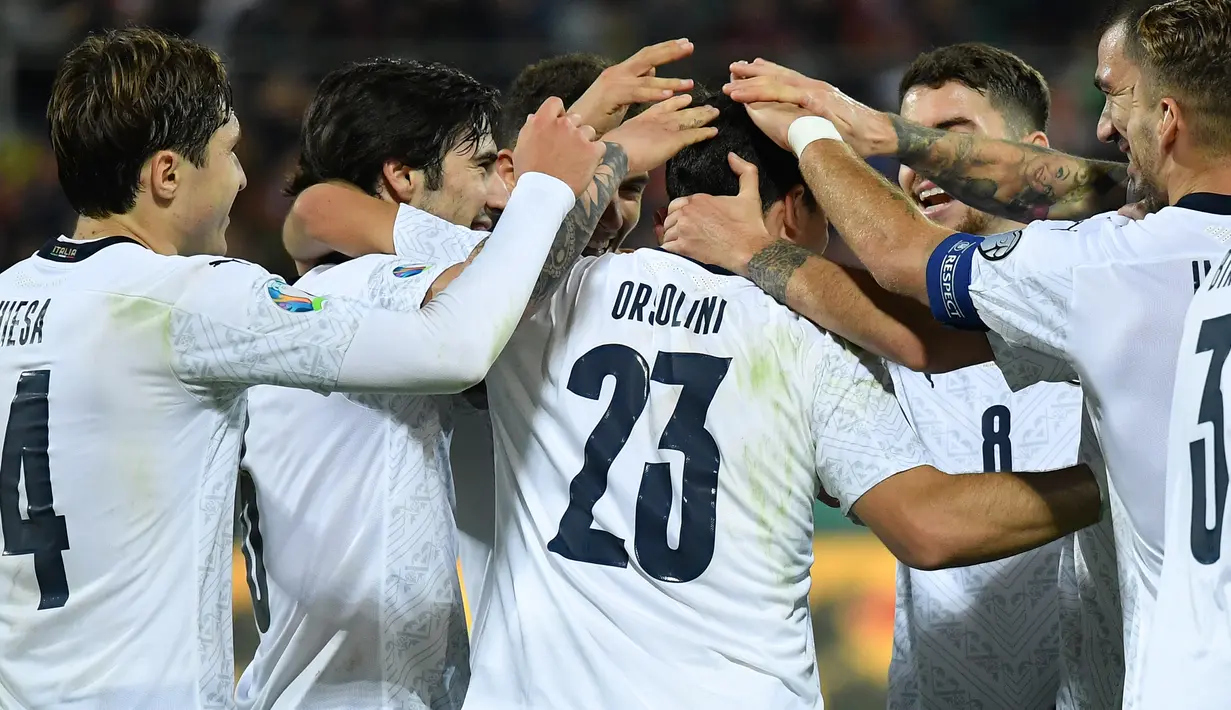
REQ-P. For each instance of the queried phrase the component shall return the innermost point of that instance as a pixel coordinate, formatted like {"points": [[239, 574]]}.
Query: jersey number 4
{"points": [[698, 377], [42, 533], [1208, 455]]}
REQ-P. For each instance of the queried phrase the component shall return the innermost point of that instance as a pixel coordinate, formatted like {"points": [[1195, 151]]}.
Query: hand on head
{"points": [[558, 144], [722, 231], [763, 82], [632, 81]]}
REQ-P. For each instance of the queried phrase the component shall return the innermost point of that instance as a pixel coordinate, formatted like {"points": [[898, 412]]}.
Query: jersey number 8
{"points": [[698, 376]]}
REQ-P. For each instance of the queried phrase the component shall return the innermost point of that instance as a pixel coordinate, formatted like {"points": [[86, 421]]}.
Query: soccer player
{"points": [[1004, 614], [604, 95], [1188, 658], [662, 430], [1102, 299], [127, 352], [350, 527]]}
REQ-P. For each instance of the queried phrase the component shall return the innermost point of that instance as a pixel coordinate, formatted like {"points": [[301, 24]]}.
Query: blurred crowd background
{"points": [[277, 49]]}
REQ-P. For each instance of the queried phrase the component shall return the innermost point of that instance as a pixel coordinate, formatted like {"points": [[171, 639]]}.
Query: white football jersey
{"points": [[1102, 300], [1188, 661], [126, 375], [661, 433], [984, 635], [474, 483], [350, 538]]}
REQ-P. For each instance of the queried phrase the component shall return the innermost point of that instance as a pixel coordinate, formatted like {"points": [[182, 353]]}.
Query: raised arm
{"points": [[1013, 180], [730, 232], [1016, 180], [236, 324], [638, 145], [932, 520]]}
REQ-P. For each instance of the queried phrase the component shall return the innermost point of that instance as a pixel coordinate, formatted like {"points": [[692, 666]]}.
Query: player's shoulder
{"points": [[352, 277]]}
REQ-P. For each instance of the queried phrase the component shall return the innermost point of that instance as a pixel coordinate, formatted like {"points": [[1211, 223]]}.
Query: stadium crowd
{"points": [[278, 49]]}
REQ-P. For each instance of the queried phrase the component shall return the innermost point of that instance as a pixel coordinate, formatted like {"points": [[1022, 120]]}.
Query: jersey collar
{"points": [[708, 267], [68, 251], [1210, 202]]}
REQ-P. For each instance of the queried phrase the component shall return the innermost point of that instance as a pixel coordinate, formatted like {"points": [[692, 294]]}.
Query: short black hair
{"points": [[566, 76], [368, 112], [703, 167], [1013, 87], [121, 96]]}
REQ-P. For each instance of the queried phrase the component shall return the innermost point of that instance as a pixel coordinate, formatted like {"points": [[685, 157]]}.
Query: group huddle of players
{"points": [[640, 435]]}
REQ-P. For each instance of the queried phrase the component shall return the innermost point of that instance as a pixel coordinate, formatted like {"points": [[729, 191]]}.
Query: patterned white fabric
{"points": [[145, 360], [1188, 659], [984, 635], [661, 434], [354, 498], [1106, 297]]}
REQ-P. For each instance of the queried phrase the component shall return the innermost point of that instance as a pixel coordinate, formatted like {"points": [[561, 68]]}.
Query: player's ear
{"points": [[1169, 125], [504, 168], [1038, 138], [400, 182], [776, 221], [164, 175], [799, 216]]}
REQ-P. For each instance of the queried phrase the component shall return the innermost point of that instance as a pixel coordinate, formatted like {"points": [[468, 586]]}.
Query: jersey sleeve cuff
{"points": [[550, 192], [948, 275]]}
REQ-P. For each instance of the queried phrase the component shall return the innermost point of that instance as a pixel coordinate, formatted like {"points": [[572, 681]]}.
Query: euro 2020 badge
{"points": [[405, 271], [292, 299]]}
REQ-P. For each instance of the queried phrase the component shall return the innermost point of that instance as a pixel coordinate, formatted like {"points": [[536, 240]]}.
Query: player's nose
{"points": [[1106, 130], [497, 194]]}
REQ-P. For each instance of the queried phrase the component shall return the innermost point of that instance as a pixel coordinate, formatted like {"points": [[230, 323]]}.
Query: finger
{"points": [[553, 107], [695, 117], [761, 67], [677, 204], [655, 55], [749, 180], [694, 136], [660, 234], [670, 242], [588, 132], [575, 119], [670, 222], [671, 105], [748, 91]]}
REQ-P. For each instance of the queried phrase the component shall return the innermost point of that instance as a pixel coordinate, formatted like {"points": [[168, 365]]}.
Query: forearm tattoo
{"points": [[579, 225], [772, 267], [1019, 181]]}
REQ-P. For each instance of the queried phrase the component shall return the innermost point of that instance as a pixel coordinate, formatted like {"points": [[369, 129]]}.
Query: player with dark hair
{"points": [[970, 420], [765, 409], [604, 95], [355, 491], [130, 352], [1101, 299]]}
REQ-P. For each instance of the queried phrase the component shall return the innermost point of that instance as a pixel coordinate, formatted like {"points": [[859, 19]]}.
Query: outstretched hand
{"points": [[721, 231], [868, 131], [632, 81], [664, 129], [559, 145]]}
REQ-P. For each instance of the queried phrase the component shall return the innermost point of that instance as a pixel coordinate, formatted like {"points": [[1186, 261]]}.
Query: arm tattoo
{"points": [[579, 225], [772, 267], [1014, 180]]}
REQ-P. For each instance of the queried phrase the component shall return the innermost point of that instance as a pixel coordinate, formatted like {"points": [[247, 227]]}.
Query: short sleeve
{"points": [[862, 436], [237, 324], [425, 238], [1018, 284]]}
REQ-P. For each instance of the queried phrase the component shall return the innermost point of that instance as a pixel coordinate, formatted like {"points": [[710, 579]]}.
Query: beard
{"points": [[974, 222], [1142, 190]]}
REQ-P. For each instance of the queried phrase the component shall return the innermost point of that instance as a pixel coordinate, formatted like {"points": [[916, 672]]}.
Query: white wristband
{"points": [[806, 129]]}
